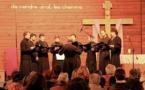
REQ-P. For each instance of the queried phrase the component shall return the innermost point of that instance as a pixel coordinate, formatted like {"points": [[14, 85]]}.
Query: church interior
{"points": [[66, 17]]}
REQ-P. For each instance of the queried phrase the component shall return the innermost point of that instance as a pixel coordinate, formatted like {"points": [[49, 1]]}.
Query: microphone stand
{"points": [[133, 54], [133, 57]]}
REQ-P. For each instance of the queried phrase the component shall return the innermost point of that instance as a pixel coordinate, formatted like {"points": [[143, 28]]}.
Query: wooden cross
{"points": [[107, 6], [107, 21]]}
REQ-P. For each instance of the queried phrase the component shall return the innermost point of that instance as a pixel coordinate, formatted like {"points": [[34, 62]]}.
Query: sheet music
{"points": [[60, 57]]}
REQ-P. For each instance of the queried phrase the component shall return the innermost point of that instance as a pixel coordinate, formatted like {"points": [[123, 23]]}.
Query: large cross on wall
{"points": [[107, 21]]}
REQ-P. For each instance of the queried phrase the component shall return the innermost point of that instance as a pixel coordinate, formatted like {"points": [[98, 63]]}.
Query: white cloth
{"points": [[128, 59], [60, 57]]}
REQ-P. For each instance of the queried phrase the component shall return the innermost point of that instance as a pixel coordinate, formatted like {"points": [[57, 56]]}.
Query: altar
{"points": [[127, 62]]}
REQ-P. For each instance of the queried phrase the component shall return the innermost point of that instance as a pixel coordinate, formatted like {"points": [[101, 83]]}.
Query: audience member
{"points": [[16, 83], [102, 82], [133, 82], [77, 84], [94, 82], [82, 72], [36, 82], [61, 82], [120, 80], [109, 77]]}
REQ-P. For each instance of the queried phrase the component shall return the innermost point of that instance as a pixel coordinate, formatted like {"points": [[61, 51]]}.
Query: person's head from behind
{"points": [[77, 84], [102, 82], [94, 78], [2, 88], [47, 74], [16, 76], [110, 69], [37, 82], [42, 37], [26, 35], [82, 72], [112, 80], [28, 78], [16, 83], [135, 74], [33, 37], [63, 78], [31, 75], [120, 74]]}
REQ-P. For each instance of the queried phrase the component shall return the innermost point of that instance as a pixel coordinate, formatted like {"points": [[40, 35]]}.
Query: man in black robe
{"points": [[104, 55], [54, 49], [34, 54], [26, 48], [91, 55], [42, 49], [77, 44], [70, 51], [115, 45]]}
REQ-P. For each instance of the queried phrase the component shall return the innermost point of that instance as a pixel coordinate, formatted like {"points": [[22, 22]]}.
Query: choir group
{"points": [[34, 54]]}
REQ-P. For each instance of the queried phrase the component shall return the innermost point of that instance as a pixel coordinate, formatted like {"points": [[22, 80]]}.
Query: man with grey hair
{"points": [[94, 82]]}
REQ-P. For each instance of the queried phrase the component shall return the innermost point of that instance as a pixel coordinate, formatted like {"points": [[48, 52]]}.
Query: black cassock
{"points": [[77, 56], [115, 52], [91, 56], [104, 55], [70, 52], [54, 49], [25, 63], [34, 54], [42, 49]]}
